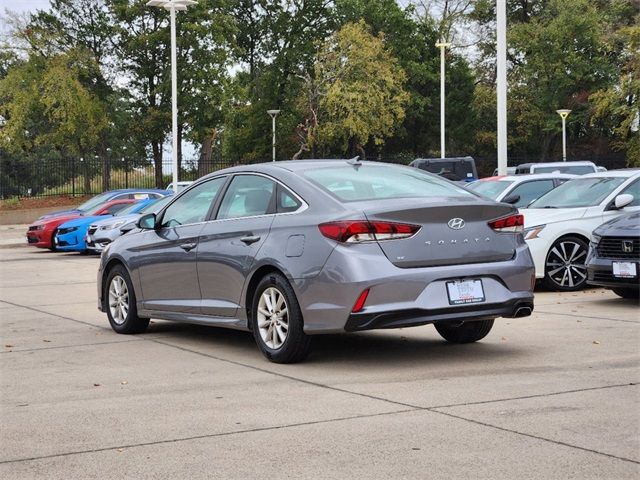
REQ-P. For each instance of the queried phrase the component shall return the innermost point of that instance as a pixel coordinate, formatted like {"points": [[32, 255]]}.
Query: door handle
{"points": [[250, 239], [187, 247]]}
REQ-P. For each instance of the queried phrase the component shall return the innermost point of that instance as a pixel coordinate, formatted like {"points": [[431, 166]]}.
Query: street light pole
{"points": [[501, 84], [273, 114], [442, 45], [172, 6], [564, 113]]}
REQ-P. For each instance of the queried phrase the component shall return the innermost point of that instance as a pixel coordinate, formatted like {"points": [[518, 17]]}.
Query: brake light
{"points": [[511, 224], [359, 305], [356, 231]]}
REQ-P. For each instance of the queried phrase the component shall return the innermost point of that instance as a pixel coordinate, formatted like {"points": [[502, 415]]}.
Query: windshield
{"points": [[580, 192], [154, 207], [490, 188], [95, 201], [376, 182], [129, 209], [574, 169]]}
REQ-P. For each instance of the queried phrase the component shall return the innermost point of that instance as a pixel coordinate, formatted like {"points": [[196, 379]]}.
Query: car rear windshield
{"points": [[374, 182], [490, 188], [579, 192], [95, 201]]}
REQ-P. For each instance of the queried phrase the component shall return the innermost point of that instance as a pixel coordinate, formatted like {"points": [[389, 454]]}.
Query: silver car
{"points": [[289, 250]]}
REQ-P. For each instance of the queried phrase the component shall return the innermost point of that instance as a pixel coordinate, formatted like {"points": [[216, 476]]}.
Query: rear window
{"points": [[490, 188], [376, 182]]}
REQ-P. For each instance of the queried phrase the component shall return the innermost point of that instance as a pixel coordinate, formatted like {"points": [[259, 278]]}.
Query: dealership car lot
{"points": [[553, 395]]}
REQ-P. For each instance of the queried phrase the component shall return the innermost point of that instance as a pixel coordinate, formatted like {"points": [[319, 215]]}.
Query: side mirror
{"points": [[511, 199], [623, 200], [147, 222]]}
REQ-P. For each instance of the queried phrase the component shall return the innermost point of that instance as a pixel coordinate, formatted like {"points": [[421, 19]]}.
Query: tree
{"points": [[363, 95]]}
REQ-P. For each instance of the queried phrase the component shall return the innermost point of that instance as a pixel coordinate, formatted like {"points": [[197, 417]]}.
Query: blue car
{"points": [[70, 236], [122, 194]]}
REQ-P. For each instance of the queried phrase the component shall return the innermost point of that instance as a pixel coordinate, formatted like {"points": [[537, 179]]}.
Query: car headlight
{"points": [[532, 232], [111, 226], [595, 239]]}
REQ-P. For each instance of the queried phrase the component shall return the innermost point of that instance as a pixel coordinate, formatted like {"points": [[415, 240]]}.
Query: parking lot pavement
{"points": [[554, 395]]}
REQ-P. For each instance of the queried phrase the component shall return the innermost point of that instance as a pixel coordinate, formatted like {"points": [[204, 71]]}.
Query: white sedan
{"points": [[558, 225]]}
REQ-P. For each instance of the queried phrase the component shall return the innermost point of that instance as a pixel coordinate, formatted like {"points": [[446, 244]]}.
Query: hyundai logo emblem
{"points": [[627, 246], [456, 223]]}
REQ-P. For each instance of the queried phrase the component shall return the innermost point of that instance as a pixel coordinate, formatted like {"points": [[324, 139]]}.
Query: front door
{"points": [[166, 256], [229, 244]]}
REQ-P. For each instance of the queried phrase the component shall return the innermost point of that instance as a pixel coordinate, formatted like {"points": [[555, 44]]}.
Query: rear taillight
{"points": [[511, 224], [355, 231]]}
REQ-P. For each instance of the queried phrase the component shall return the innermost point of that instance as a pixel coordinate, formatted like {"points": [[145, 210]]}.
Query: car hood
{"points": [[624, 226], [544, 216], [125, 218], [56, 220], [73, 211], [82, 221]]}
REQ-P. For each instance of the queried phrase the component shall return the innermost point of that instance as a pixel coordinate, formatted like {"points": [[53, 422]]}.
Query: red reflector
{"points": [[353, 231], [359, 305], [512, 223]]}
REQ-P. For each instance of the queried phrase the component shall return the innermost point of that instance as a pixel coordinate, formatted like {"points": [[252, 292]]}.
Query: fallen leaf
{"points": [[47, 341], [8, 346], [97, 385], [579, 321], [596, 342], [504, 338], [415, 448], [123, 382], [120, 449]]}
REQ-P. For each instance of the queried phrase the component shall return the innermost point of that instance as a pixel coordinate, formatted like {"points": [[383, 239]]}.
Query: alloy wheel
{"points": [[118, 299], [273, 318], [565, 264]]}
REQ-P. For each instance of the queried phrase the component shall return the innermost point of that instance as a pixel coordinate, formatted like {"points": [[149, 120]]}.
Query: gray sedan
{"points": [[288, 250]]}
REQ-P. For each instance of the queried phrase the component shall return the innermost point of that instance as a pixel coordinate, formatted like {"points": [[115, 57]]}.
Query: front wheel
{"points": [[467, 332], [120, 303], [565, 270], [276, 321]]}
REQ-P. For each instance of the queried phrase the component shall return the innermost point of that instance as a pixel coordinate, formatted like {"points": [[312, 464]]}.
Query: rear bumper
{"points": [[400, 297], [514, 308]]}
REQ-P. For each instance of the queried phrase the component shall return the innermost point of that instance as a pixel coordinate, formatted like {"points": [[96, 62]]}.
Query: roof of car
{"points": [[297, 165], [556, 164], [529, 177], [623, 172]]}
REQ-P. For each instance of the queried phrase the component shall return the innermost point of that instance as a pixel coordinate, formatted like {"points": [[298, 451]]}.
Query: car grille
{"points": [[32, 239], [612, 247], [608, 277], [33, 227], [92, 229]]}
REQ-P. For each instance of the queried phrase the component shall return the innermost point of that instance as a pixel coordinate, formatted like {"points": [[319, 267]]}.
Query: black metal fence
{"points": [[30, 178]]}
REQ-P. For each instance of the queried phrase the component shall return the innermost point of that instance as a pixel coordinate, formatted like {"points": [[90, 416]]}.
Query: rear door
{"points": [[229, 244], [166, 257]]}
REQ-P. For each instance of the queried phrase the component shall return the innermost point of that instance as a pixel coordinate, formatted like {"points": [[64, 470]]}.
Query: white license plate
{"points": [[465, 291], [624, 270]]}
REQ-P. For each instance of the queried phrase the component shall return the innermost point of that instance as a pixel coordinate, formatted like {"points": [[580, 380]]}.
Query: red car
{"points": [[41, 232]]}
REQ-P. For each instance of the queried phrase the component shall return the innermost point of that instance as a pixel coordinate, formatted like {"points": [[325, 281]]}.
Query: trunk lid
{"points": [[437, 243]]}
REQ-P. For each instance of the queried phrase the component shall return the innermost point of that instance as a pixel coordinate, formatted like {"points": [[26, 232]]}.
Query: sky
{"points": [[23, 5]]}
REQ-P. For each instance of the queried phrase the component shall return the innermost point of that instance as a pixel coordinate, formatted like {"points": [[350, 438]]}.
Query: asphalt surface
{"points": [[554, 395]]}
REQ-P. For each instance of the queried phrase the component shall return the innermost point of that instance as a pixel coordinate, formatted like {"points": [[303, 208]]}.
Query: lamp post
{"points": [[501, 84], [172, 6], [564, 113], [273, 114], [442, 46]]}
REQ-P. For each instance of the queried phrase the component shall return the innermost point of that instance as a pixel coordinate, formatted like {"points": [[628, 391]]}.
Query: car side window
{"points": [[633, 189], [247, 196], [193, 206], [529, 191], [113, 209], [286, 202]]}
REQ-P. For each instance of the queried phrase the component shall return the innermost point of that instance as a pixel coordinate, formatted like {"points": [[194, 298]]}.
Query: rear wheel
{"points": [[631, 293], [276, 321], [466, 332], [565, 269], [120, 303]]}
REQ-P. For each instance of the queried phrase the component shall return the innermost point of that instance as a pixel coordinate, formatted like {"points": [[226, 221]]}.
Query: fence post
{"points": [[126, 173], [73, 176]]}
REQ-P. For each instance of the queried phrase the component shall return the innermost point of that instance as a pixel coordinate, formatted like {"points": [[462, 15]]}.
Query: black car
{"points": [[614, 256]]}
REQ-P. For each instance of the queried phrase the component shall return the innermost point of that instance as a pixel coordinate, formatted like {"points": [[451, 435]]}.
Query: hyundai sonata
{"points": [[288, 250]]}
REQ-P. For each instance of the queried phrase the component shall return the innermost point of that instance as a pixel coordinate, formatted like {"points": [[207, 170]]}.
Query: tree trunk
{"points": [[205, 163], [157, 162]]}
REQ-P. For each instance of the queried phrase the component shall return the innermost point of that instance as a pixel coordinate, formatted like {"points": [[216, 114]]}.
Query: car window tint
{"points": [[633, 189], [286, 201], [379, 182], [247, 196], [529, 191], [193, 206]]}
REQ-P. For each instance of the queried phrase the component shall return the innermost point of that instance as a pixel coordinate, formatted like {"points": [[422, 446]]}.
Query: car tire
{"points": [[631, 293], [561, 274], [277, 322], [53, 243], [466, 332], [120, 303]]}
